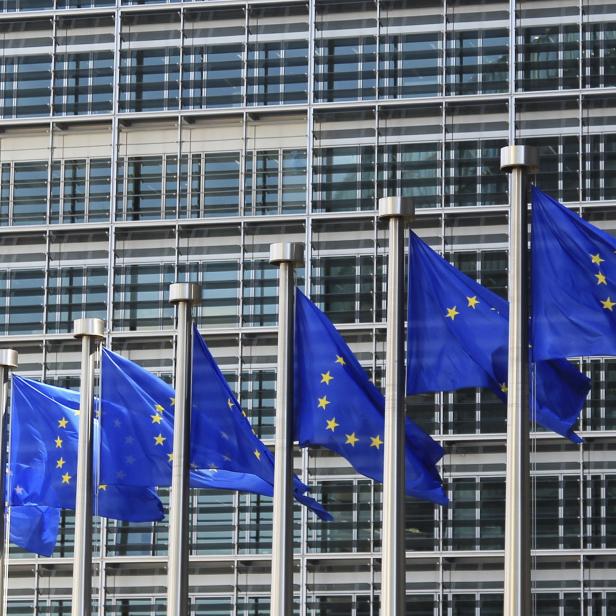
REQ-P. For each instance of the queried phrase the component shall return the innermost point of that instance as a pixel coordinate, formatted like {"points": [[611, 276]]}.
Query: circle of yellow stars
{"points": [[332, 424]]}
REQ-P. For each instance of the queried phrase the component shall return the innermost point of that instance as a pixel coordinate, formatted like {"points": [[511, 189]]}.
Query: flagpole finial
{"points": [[89, 327], [8, 358], [516, 156], [286, 252], [184, 292], [399, 207]]}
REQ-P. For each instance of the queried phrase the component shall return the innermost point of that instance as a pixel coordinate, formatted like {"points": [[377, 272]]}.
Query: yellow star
{"points": [[452, 313], [76, 412], [323, 402], [608, 304], [66, 478], [172, 401], [160, 439], [597, 259], [503, 387], [601, 279], [230, 403], [156, 418], [326, 377], [62, 423], [331, 424], [257, 454], [159, 408], [340, 360], [60, 462], [58, 442], [102, 486], [472, 302], [351, 439], [170, 457], [376, 441]]}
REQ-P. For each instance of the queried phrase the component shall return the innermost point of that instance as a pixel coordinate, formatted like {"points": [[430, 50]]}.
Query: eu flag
{"points": [[43, 464], [137, 432], [337, 407], [573, 283], [34, 528], [458, 337], [137, 427]]}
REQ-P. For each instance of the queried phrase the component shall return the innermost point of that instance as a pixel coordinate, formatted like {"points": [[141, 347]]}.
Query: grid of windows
{"points": [[240, 125]]}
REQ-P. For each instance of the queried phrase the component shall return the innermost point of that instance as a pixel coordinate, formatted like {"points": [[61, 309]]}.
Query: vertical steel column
{"points": [[185, 295], [8, 360], [393, 561], [286, 255], [91, 332], [517, 161]]}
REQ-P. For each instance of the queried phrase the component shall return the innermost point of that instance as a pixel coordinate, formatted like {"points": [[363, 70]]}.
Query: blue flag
{"points": [[35, 528], [458, 337], [43, 464], [337, 406], [137, 431], [573, 283]]}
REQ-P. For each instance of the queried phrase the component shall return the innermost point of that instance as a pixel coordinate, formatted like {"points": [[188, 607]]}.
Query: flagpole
{"points": [[185, 295], [91, 332], [8, 360], [285, 255], [393, 559], [518, 161]]}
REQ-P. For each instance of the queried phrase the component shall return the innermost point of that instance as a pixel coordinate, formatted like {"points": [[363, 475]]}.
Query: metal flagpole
{"points": [[8, 360], [393, 560], [185, 295], [91, 332], [286, 255], [517, 161]]}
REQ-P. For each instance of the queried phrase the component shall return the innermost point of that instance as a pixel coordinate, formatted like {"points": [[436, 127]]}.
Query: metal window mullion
{"points": [[86, 200], [52, 76], [242, 187], [163, 187], [245, 58], [280, 153]]}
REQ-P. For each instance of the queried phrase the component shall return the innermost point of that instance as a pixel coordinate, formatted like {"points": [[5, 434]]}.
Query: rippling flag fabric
{"points": [[458, 338], [35, 528], [338, 407], [137, 427], [573, 283], [43, 456]]}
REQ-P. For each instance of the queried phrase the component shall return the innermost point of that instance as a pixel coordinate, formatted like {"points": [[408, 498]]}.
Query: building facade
{"points": [[145, 142]]}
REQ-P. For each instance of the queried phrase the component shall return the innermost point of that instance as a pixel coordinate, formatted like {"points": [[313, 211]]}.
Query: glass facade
{"points": [[145, 142]]}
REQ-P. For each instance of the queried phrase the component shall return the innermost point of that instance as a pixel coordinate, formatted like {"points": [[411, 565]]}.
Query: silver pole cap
{"points": [[89, 327], [184, 292], [399, 207], [519, 156], [286, 252], [8, 358]]}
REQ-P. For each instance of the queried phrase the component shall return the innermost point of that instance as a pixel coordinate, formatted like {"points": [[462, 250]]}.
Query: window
{"points": [[277, 73], [345, 69], [549, 60], [477, 62], [344, 179], [409, 65], [83, 83]]}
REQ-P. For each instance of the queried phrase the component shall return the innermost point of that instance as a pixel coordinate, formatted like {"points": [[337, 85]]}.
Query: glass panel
{"points": [[550, 58], [345, 69], [477, 62], [343, 179], [409, 65]]}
